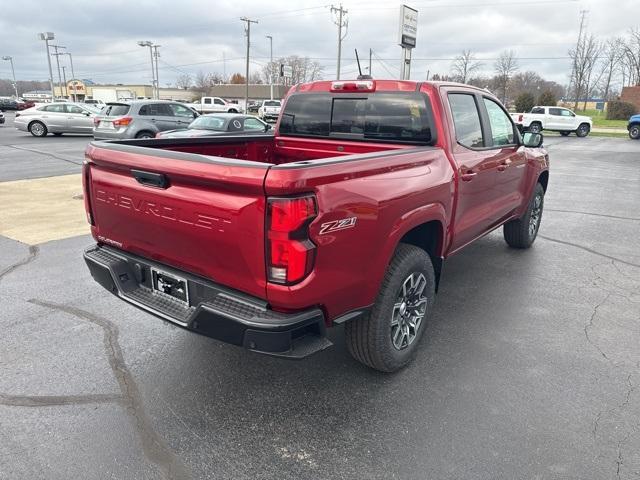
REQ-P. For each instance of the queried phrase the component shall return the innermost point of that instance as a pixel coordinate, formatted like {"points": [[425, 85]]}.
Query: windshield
{"points": [[387, 117], [209, 123], [272, 103]]}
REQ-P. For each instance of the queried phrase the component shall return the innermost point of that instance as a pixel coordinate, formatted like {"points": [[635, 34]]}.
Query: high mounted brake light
{"points": [[358, 86], [290, 252]]}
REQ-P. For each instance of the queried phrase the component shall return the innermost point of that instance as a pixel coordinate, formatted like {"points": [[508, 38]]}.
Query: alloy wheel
{"points": [[408, 311]]}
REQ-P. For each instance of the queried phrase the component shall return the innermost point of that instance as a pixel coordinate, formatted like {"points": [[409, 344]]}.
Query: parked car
{"points": [[270, 110], [218, 124], [97, 103], [56, 118], [24, 104], [141, 119], [254, 106], [556, 119], [8, 104], [1, 118], [344, 217], [634, 127], [214, 105]]}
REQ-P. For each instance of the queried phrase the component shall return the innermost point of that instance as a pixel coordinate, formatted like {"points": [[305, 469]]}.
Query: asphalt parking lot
{"points": [[529, 368]]}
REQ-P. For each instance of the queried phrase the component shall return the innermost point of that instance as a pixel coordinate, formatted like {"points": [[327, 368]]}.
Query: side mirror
{"points": [[532, 140], [87, 114], [267, 128]]}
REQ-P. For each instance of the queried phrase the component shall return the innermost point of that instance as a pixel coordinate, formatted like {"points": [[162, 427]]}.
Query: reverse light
{"points": [[122, 121], [357, 86], [86, 187], [290, 252]]}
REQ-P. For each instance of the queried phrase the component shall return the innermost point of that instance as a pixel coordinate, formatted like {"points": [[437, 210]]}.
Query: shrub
{"points": [[525, 102], [617, 110], [547, 98]]}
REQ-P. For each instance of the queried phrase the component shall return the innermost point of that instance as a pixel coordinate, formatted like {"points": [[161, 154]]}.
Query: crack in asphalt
{"points": [[154, 447], [56, 400], [587, 249], [33, 253], [590, 324], [40, 152], [617, 217]]}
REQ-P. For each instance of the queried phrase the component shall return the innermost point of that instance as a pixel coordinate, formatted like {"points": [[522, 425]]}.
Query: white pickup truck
{"points": [[214, 105], [270, 110], [557, 119]]}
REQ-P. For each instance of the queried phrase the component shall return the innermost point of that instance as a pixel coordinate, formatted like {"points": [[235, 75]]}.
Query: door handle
{"points": [[467, 177]]}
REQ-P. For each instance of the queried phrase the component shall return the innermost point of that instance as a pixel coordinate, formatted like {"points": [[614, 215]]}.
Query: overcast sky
{"points": [[197, 35]]}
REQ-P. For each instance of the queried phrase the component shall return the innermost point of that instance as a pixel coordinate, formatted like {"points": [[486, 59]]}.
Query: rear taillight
{"points": [[290, 252], [96, 121], [122, 121], [86, 187], [520, 117]]}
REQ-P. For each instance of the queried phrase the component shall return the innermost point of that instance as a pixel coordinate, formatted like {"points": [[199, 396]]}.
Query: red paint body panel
{"points": [[211, 220]]}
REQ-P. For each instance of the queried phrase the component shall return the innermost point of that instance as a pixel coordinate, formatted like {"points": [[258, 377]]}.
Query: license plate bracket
{"points": [[170, 285]]}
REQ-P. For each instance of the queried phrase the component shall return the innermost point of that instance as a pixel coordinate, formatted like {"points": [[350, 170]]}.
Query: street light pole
{"points": [[13, 72], [157, 54], [46, 36], [270, 65], [64, 77], [73, 74], [147, 43]]}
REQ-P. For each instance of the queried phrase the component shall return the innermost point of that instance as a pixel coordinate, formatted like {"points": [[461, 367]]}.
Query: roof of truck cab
{"points": [[384, 85]]}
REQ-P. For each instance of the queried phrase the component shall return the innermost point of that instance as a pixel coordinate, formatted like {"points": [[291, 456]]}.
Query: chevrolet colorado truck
{"points": [[344, 216], [556, 119], [634, 127]]}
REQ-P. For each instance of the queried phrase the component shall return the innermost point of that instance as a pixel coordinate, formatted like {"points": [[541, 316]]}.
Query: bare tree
{"points": [[584, 58], [612, 53], [464, 65], [204, 81], [184, 81], [303, 69], [505, 67], [631, 57]]}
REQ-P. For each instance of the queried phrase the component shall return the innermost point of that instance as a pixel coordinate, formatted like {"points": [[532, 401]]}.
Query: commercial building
{"points": [[631, 95]]}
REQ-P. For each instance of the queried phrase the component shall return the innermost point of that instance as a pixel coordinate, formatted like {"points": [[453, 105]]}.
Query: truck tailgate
{"points": [[201, 214]]}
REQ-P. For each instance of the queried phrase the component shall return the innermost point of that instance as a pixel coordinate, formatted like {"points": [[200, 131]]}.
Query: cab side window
{"points": [[466, 119], [502, 132]]}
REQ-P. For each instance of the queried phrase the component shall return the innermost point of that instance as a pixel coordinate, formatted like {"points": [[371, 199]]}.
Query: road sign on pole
{"points": [[407, 34]]}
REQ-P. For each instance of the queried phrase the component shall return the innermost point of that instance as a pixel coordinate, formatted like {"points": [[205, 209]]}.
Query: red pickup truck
{"points": [[344, 216]]}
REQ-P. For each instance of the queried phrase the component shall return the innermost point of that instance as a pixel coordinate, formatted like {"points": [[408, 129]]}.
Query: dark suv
{"points": [[141, 119]]}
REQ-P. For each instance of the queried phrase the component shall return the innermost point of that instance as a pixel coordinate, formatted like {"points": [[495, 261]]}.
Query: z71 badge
{"points": [[336, 225]]}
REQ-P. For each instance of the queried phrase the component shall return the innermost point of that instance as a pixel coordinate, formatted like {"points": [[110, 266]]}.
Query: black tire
{"points": [[145, 134], [57, 134], [521, 233], [634, 131], [369, 339], [535, 127], [565, 133], [38, 129], [233, 110], [583, 130]]}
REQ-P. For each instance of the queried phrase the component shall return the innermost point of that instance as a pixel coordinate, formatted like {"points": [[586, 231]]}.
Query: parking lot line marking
{"points": [[43, 209]]}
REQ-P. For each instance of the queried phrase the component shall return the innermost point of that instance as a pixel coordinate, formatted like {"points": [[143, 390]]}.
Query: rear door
{"points": [[476, 165], [55, 117], [554, 119], [159, 114], [79, 120]]}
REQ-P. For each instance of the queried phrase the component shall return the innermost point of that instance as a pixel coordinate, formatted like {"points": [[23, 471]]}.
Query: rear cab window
{"points": [[394, 117]]}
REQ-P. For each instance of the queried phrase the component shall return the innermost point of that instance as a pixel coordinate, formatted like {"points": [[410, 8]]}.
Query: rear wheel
{"points": [[634, 132], [535, 127], [145, 134], [565, 133], [583, 130], [521, 233], [388, 338], [38, 129], [233, 110]]}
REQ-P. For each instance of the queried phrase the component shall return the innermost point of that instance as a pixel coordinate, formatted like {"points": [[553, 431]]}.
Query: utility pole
{"points": [[246, 78], [270, 65], [156, 54], [342, 21], [64, 78], [370, 53], [574, 71], [13, 72], [46, 36], [57, 54], [73, 75]]}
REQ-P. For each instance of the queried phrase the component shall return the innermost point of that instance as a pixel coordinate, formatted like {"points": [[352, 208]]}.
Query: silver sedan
{"points": [[56, 118]]}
